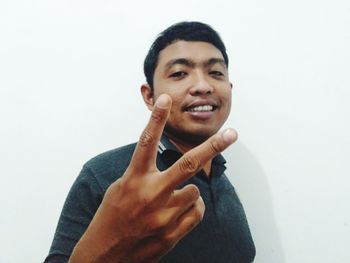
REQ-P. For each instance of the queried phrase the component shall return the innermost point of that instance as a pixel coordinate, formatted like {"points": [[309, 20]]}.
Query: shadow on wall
{"points": [[250, 182]]}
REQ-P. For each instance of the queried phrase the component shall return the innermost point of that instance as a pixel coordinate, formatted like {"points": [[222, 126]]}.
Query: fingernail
{"points": [[230, 136], [162, 101]]}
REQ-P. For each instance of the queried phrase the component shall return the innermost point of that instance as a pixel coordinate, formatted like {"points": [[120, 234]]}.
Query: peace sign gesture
{"points": [[142, 215]]}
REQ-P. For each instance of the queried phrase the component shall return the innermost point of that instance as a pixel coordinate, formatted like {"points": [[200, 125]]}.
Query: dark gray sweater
{"points": [[222, 236]]}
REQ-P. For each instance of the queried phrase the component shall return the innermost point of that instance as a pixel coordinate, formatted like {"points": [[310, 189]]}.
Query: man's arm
{"points": [[142, 216], [81, 204]]}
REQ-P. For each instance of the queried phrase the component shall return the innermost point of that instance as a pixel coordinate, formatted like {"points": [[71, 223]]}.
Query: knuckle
{"points": [[153, 227], [158, 115], [192, 192], [189, 164], [215, 146], [146, 139], [201, 203], [113, 190], [197, 215], [141, 207], [195, 218], [157, 224], [146, 201], [192, 225], [195, 191], [201, 207], [169, 240]]}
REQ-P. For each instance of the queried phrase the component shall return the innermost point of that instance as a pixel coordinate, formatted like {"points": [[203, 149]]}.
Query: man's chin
{"points": [[194, 137]]}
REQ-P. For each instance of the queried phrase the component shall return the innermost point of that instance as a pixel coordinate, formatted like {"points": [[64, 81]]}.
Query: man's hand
{"points": [[142, 216]]}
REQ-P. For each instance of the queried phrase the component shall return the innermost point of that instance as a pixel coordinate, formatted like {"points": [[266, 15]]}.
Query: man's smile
{"points": [[201, 109], [201, 105]]}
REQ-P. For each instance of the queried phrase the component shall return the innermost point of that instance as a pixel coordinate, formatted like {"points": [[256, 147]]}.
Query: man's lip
{"points": [[200, 115], [197, 103]]}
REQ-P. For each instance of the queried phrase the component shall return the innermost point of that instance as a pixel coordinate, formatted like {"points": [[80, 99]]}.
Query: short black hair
{"points": [[188, 31]]}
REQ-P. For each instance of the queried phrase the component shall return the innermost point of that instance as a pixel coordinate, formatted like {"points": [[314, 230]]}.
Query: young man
{"points": [[165, 198]]}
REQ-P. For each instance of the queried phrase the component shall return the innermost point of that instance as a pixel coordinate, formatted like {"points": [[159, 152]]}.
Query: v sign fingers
{"points": [[192, 161], [144, 157]]}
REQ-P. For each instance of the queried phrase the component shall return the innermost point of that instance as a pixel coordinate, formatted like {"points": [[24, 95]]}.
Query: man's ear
{"points": [[147, 95]]}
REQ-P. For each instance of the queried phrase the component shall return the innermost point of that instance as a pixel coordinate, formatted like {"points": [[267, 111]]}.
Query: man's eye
{"points": [[216, 73], [178, 74]]}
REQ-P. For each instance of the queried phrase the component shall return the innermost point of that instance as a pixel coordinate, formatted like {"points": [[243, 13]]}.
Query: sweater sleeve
{"points": [[80, 206]]}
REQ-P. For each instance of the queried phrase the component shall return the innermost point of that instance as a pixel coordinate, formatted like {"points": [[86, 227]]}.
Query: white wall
{"points": [[70, 73]]}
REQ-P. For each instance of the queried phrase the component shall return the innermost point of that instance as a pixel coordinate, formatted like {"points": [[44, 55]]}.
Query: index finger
{"points": [[193, 161], [145, 153]]}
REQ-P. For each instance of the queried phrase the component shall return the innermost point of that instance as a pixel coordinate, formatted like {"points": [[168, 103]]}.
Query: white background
{"points": [[70, 73]]}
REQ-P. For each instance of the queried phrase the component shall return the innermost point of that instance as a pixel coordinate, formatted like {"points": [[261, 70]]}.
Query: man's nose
{"points": [[201, 86]]}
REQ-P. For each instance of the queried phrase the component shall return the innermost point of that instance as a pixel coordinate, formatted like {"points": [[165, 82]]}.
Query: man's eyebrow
{"points": [[181, 61], [214, 61], [192, 64]]}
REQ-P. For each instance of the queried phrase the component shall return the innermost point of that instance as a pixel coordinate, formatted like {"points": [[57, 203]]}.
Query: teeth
{"points": [[202, 108]]}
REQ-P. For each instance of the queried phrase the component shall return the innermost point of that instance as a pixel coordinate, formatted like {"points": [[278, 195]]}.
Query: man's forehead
{"points": [[191, 50]]}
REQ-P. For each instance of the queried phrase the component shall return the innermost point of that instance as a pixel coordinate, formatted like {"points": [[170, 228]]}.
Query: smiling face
{"points": [[195, 76]]}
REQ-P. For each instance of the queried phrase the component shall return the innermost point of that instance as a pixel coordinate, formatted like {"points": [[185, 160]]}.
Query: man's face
{"points": [[195, 76]]}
